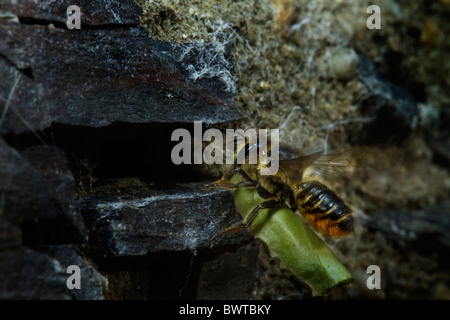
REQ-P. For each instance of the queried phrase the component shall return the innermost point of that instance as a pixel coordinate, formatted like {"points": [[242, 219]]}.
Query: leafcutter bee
{"points": [[302, 183]]}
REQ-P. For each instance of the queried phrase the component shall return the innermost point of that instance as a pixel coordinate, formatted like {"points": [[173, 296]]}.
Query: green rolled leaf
{"points": [[294, 243]]}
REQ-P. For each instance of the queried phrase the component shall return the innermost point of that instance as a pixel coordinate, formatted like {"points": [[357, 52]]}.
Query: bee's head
{"points": [[264, 152], [254, 150]]}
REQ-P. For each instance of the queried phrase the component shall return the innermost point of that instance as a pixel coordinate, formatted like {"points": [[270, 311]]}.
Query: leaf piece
{"points": [[294, 243]]}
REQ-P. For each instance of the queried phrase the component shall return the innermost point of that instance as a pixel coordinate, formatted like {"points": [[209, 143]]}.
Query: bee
{"points": [[301, 183]]}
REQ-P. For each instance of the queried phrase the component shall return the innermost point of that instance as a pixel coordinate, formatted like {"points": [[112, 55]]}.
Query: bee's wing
{"points": [[293, 168], [319, 164]]}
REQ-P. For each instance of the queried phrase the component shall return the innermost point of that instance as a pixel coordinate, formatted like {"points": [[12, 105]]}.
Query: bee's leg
{"points": [[240, 226], [228, 185], [228, 175], [224, 182], [263, 193], [292, 203]]}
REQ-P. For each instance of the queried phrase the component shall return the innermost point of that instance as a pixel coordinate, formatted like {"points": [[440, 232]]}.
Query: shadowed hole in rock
{"points": [[124, 151]]}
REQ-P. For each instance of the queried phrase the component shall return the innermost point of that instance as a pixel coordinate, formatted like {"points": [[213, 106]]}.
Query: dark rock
{"points": [[163, 275], [94, 13], [53, 165], [421, 227], [49, 213], [27, 274], [92, 282], [79, 108], [176, 219], [392, 108], [97, 77], [231, 275], [22, 108], [12, 46], [21, 181], [30, 274], [10, 234]]}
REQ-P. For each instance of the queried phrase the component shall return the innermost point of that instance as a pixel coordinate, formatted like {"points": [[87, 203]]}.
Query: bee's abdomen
{"points": [[323, 209]]}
